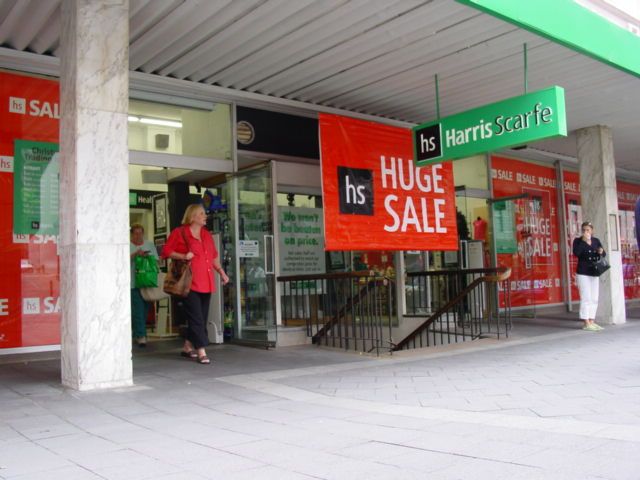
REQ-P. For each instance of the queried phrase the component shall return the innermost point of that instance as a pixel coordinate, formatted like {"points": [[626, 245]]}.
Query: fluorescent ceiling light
{"points": [[155, 121], [164, 123]]}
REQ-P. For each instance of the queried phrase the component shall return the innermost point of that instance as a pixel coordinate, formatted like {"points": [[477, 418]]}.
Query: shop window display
{"points": [[29, 265]]}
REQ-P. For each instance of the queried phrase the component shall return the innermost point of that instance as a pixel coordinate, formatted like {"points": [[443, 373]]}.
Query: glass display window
{"points": [[157, 127]]}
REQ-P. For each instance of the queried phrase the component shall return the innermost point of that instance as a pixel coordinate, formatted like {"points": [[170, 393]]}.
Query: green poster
{"points": [[35, 188], [504, 227]]}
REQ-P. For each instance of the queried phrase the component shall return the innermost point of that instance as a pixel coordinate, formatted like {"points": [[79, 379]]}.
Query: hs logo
{"points": [[356, 190]]}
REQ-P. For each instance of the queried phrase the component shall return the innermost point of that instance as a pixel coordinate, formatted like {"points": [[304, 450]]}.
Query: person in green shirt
{"points": [[138, 246]]}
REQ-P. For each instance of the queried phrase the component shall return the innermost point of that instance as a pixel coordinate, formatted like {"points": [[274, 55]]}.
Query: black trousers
{"points": [[196, 310]]}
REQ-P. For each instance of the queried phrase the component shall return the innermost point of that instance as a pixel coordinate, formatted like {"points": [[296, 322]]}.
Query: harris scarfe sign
{"points": [[507, 123]]}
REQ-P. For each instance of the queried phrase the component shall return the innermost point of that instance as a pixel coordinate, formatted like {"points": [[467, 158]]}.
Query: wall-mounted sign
{"points": [[35, 188], [142, 198], [301, 241], [375, 198], [507, 123]]}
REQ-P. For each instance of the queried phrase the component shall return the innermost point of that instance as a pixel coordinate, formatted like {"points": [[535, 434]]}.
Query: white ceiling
{"points": [[376, 57]]}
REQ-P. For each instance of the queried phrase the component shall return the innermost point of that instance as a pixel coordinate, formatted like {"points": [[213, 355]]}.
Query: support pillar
{"points": [[94, 212], [600, 206]]}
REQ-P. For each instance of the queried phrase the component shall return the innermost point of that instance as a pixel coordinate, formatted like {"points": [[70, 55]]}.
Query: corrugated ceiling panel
{"points": [[48, 39], [32, 24], [196, 35], [292, 48], [418, 51], [420, 81], [319, 38], [372, 56], [149, 15], [394, 77], [223, 39], [359, 47], [15, 14], [184, 19], [264, 34]]}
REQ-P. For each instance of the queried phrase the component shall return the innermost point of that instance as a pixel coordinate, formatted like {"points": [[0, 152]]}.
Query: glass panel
{"points": [[473, 213], [471, 172], [156, 127], [254, 224]]}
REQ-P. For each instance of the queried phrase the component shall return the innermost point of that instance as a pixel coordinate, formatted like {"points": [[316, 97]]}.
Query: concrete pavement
{"points": [[564, 405]]}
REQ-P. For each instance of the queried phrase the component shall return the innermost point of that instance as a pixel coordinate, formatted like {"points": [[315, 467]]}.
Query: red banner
{"points": [[574, 224], [29, 291], [628, 194], [375, 198], [536, 268]]}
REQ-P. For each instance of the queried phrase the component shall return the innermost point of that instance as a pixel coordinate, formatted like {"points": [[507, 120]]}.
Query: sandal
{"points": [[204, 360], [190, 354]]}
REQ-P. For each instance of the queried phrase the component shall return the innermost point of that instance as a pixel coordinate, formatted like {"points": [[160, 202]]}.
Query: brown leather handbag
{"points": [[177, 281]]}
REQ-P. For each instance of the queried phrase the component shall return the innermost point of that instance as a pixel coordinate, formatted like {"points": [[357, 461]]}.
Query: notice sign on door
{"points": [[375, 197], [248, 249]]}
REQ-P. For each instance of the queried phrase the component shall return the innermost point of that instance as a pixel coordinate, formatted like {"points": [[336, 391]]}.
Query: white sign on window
{"points": [[248, 249]]}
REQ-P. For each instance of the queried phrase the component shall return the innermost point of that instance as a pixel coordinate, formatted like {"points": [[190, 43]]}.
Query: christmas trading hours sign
{"points": [[375, 197], [507, 123], [35, 188]]}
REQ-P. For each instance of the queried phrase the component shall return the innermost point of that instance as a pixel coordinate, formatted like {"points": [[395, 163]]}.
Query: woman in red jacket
{"points": [[192, 241]]}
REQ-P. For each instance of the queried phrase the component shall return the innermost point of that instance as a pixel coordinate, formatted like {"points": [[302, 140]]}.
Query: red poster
{"points": [[375, 198], [536, 268], [29, 292], [628, 194], [574, 224]]}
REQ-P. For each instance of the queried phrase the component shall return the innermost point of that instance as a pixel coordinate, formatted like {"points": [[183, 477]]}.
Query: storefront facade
{"points": [[161, 127], [265, 205]]}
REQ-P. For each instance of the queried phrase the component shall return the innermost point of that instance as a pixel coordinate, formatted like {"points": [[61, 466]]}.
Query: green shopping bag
{"points": [[146, 271]]}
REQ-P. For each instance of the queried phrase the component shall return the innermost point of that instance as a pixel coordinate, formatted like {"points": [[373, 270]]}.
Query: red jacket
{"points": [[204, 252]]}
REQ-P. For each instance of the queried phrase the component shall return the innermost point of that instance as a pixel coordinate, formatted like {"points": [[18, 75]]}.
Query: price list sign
{"points": [[35, 188]]}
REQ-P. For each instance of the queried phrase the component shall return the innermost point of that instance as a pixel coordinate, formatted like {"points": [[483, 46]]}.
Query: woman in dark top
{"points": [[589, 250]]}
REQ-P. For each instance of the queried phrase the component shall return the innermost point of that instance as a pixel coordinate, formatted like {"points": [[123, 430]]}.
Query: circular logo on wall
{"points": [[245, 132]]}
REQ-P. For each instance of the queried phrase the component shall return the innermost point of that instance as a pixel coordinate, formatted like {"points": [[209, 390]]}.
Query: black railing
{"points": [[353, 310], [457, 305], [359, 310]]}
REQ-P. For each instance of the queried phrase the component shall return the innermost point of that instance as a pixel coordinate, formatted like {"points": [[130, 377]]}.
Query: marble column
{"points": [[599, 201], [94, 211]]}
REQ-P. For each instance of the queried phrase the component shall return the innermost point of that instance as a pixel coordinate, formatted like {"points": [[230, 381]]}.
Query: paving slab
{"points": [[562, 405]]}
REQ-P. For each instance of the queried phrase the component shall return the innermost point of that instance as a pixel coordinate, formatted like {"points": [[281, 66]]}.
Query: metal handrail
{"points": [[502, 274], [359, 310], [354, 310]]}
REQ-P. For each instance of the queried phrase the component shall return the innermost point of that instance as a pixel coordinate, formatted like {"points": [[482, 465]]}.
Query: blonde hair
{"points": [[190, 212], [135, 226]]}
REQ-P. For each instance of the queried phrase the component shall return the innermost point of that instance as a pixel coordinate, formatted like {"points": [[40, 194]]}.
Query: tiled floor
{"points": [[552, 402]]}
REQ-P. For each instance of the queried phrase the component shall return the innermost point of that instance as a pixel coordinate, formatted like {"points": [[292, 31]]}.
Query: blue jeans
{"points": [[139, 310]]}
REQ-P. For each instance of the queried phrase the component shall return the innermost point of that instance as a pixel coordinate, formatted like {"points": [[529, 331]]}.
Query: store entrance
{"points": [[474, 228], [158, 197]]}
